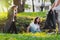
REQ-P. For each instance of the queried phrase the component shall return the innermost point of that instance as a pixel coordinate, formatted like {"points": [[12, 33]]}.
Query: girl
{"points": [[34, 26], [10, 26]]}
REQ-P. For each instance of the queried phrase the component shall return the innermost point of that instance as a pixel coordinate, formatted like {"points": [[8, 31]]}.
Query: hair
{"points": [[13, 7], [35, 21]]}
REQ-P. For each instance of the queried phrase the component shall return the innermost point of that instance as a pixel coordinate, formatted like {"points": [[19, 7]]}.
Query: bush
{"points": [[3, 18], [23, 20], [26, 14], [32, 14]]}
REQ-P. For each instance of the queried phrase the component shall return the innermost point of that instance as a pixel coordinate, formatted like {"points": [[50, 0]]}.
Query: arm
{"points": [[58, 2], [28, 29], [53, 5]]}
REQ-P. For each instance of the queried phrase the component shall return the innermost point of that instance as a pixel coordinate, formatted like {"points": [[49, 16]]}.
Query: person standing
{"points": [[50, 21], [56, 6], [42, 6], [10, 26]]}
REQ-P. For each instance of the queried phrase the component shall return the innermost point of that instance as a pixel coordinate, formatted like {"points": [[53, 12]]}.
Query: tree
{"points": [[20, 4], [5, 4], [52, 1], [26, 6]]}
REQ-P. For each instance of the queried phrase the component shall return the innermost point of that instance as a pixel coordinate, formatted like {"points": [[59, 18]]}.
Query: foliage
{"points": [[32, 14], [52, 1], [29, 36], [20, 4], [23, 22], [26, 6], [23, 19], [5, 4]]}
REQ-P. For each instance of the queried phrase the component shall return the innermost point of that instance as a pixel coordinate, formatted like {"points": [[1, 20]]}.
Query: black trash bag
{"points": [[50, 21]]}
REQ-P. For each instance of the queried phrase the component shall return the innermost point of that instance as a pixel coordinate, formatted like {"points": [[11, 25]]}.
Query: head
{"points": [[37, 20], [14, 7]]}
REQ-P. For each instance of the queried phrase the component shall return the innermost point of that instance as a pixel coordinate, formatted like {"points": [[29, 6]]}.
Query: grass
{"points": [[25, 14], [33, 14], [42, 15], [29, 36]]}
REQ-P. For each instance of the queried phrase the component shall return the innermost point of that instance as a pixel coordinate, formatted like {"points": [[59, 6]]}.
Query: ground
{"points": [[29, 36]]}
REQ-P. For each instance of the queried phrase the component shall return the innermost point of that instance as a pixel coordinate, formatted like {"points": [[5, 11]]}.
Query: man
{"points": [[50, 21], [56, 6], [42, 6]]}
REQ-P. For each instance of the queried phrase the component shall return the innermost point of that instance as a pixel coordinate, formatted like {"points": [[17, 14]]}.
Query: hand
{"points": [[53, 8]]}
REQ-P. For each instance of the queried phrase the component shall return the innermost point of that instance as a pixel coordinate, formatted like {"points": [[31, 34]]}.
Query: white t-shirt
{"points": [[58, 7], [14, 14], [35, 26]]}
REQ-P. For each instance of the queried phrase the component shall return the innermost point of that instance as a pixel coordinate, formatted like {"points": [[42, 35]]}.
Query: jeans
{"points": [[34, 30]]}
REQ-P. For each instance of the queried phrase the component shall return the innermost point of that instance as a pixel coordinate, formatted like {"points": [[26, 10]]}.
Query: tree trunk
{"points": [[20, 6]]}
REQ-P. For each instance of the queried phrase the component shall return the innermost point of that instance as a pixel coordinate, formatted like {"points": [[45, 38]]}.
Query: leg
{"points": [[10, 28], [58, 21], [14, 28]]}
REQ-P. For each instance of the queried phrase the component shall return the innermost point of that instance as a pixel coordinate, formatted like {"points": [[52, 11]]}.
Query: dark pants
{"points": [[41, 9], [12, 28]]}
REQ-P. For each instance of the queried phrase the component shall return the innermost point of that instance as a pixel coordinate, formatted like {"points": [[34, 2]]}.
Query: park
{"points": [[27, 12]]}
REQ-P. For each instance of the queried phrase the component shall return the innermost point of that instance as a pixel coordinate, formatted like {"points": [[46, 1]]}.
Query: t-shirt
{"points": [[15, 11], [56, 1], [58, 7], [35, 27]]}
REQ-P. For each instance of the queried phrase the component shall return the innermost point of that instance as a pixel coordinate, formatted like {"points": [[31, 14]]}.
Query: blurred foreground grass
{"points": [[29, 36]]}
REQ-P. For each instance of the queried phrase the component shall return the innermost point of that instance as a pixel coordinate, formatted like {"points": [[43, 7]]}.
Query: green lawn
{"points": [[25, 14], [29, 37], [33, 14]]}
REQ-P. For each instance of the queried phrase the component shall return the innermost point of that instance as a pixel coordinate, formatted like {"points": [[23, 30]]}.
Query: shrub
{"points": [[32, 14], [3, 18], [23, 20]]}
